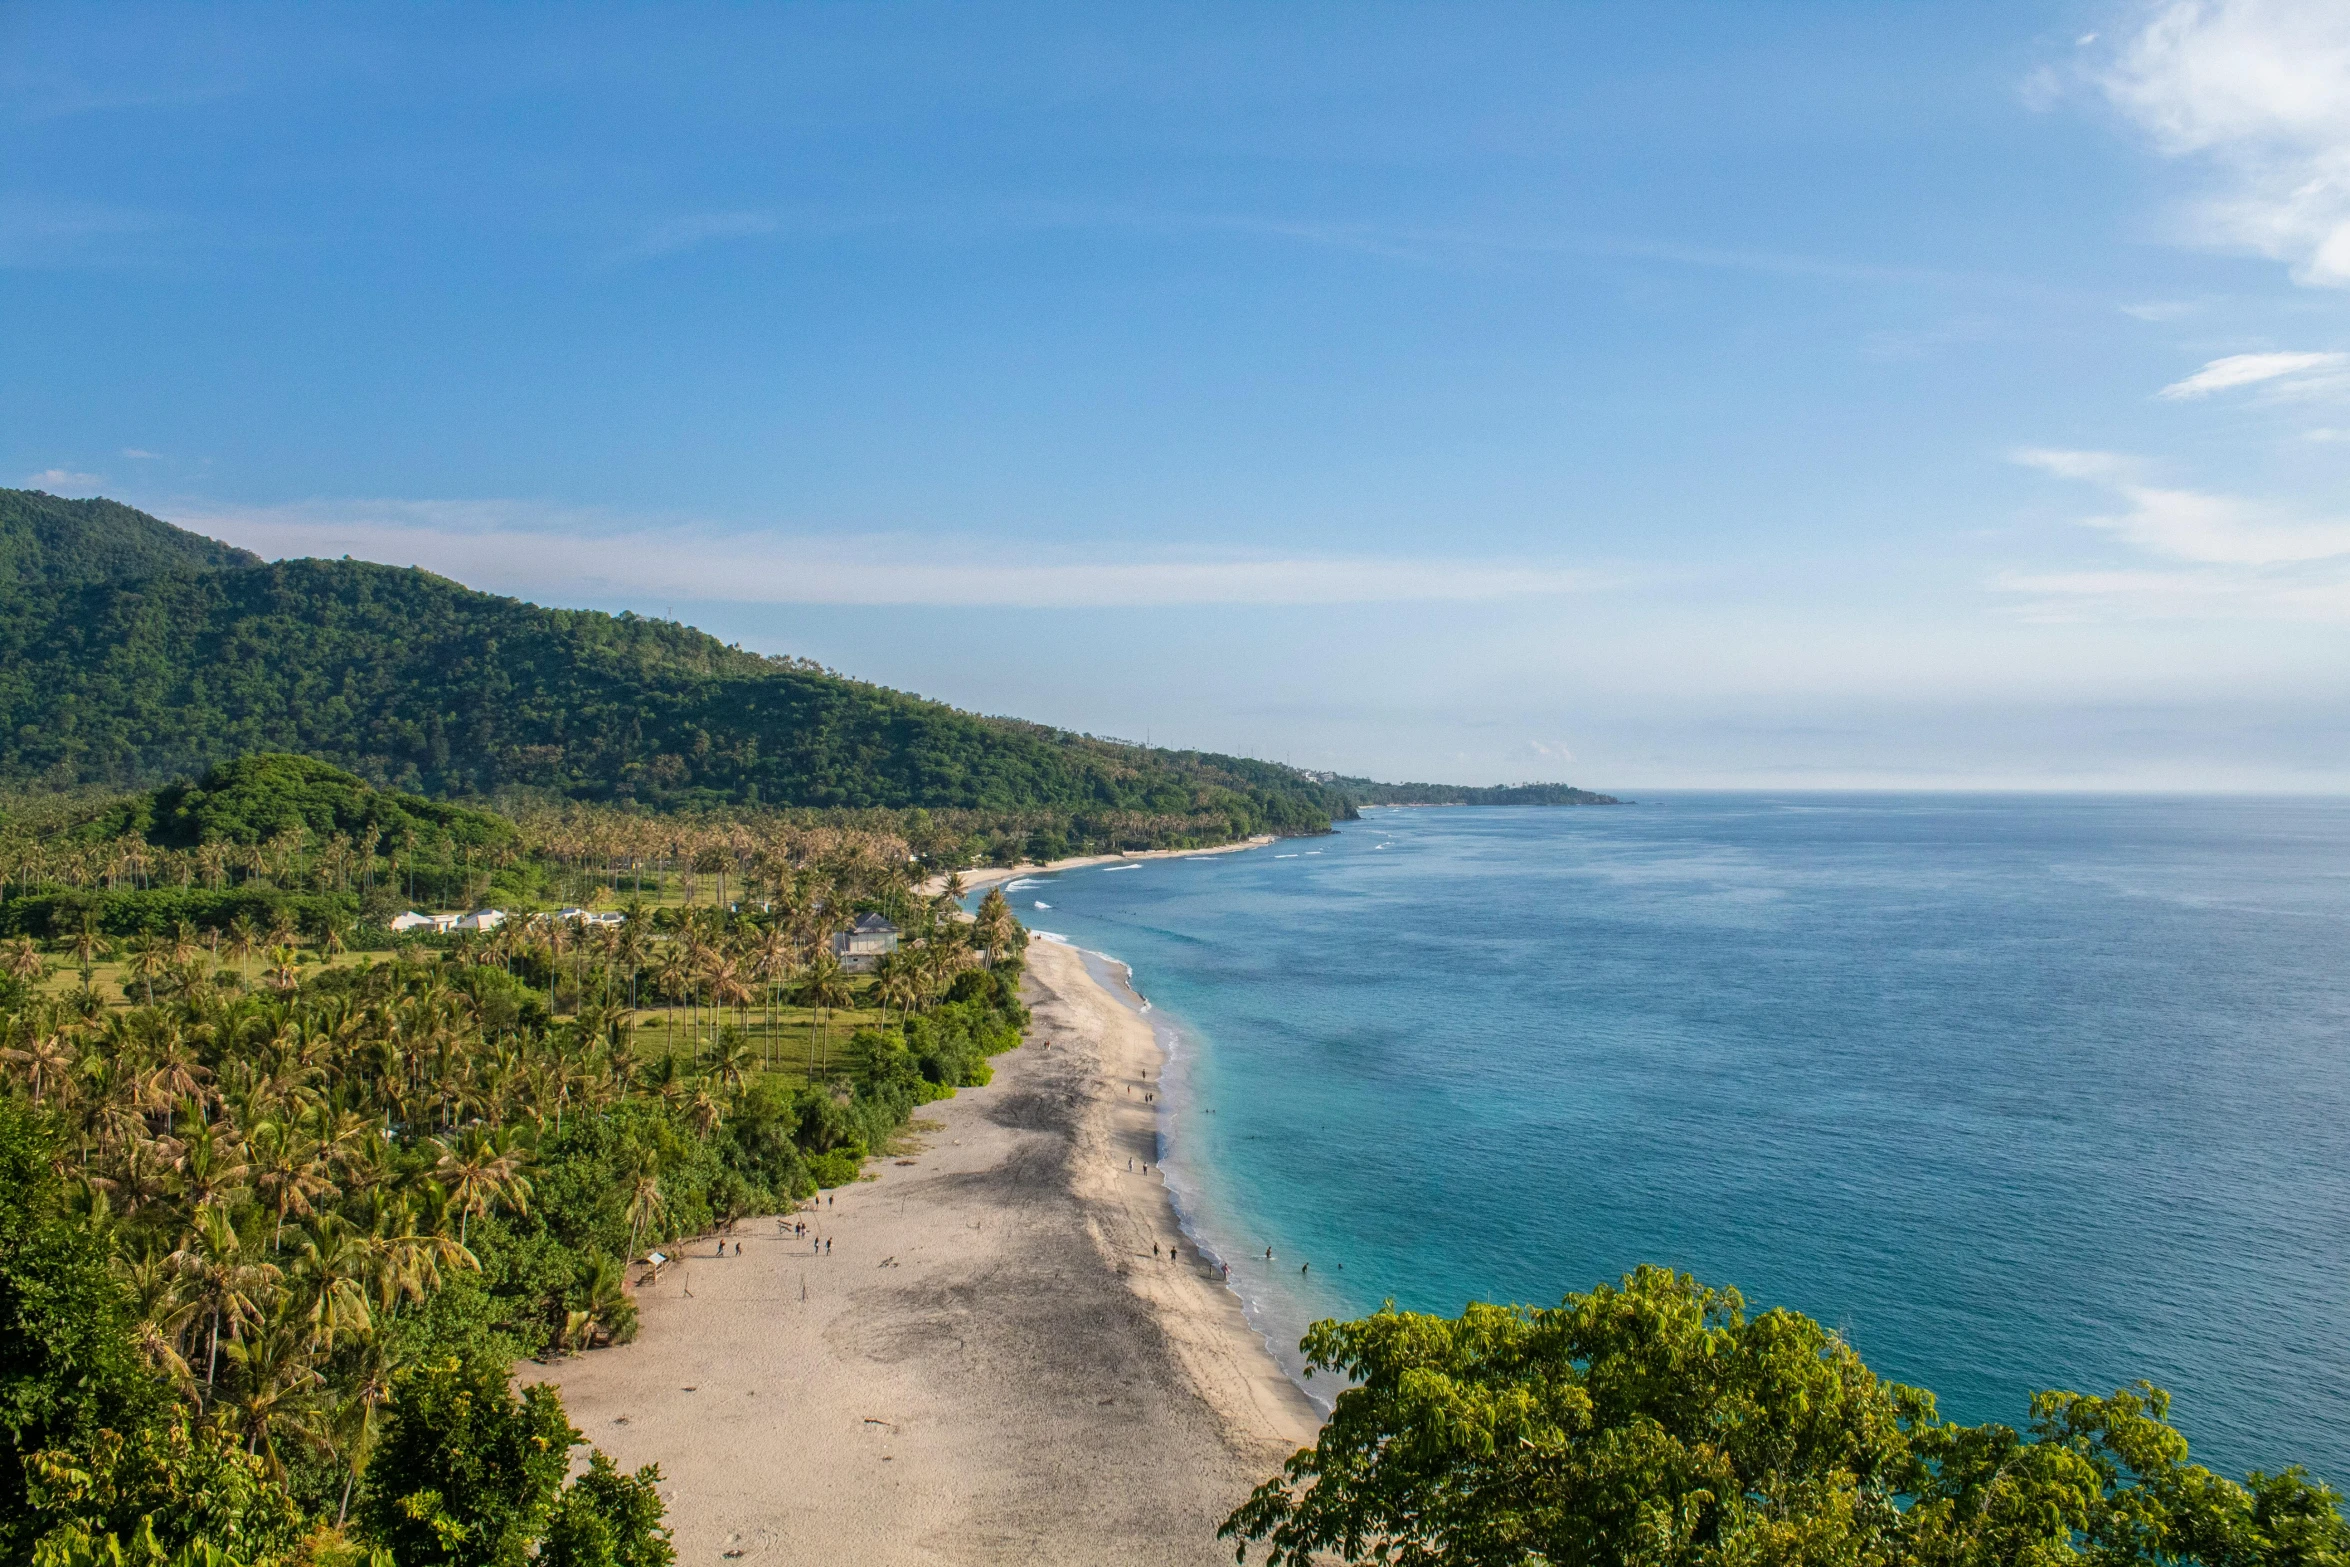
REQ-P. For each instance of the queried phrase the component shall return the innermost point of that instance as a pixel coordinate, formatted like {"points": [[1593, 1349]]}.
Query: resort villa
{"points": [[865, 943]]}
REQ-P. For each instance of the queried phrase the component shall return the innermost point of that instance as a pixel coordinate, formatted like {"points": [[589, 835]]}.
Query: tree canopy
{"points": [[1654, 1424], [152, 664]]}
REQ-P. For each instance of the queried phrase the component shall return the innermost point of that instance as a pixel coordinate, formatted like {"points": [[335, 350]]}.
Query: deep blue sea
{"points": [[2016, 1092]]}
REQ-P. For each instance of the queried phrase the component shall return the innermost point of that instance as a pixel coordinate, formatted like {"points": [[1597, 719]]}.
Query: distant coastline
{"points": [[1364, 791]]}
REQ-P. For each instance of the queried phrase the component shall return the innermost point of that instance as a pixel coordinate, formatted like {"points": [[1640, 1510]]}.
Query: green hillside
{"points": [[133, 653], [46, 540]]}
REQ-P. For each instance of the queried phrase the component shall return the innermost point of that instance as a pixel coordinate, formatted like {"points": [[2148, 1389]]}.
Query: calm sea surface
{"points": [[2017, 1092]]}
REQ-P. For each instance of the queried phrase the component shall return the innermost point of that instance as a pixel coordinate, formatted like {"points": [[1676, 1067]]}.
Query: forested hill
{"points": [[1363, 791], [46, 539], [133, 652]]}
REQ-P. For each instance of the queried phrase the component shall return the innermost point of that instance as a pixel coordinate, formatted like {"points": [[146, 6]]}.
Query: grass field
{"points": [[792, 1044]]}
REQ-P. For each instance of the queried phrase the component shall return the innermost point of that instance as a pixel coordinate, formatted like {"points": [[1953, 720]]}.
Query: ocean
{"points": [[2015, 1092]]}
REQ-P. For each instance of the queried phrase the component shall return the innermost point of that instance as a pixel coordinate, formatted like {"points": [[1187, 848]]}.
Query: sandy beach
{"points": [[988, 1365], [996, 875]]}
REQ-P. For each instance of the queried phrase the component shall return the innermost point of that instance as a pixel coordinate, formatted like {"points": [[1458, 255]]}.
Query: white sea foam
{"points": [[1023, 881], [1285, 856], [1053, 936], [1107, 868], [1040, 903]]}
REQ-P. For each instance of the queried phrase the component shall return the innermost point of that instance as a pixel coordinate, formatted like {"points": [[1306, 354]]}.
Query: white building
{"points": [[589, 917], [480, 919], [865, 943], [435, 923]]}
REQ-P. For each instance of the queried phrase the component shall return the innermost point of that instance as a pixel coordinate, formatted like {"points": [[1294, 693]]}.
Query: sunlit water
{"points": [[2016, 1092]]}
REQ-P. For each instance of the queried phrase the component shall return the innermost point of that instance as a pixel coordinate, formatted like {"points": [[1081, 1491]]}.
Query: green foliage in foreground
{"points": [[1654, 1424], [470, 1474]]}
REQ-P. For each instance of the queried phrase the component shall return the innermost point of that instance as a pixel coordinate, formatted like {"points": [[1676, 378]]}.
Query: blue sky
{"points": [[1643, 395]]}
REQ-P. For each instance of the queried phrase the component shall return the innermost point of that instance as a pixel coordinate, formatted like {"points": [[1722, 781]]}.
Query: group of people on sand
{"points": [[797, 1229]]}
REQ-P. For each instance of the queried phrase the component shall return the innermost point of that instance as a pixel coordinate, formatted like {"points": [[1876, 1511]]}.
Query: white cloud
{"points": [[2236, 556], [542, 552], [682, 234], [59, 481], [2079, 465], [2304, 369], [134, 452], [2259, 91]]}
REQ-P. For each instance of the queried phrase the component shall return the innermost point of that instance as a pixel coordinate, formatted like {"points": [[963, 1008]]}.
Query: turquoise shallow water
{"points": [[2017, 1092]]}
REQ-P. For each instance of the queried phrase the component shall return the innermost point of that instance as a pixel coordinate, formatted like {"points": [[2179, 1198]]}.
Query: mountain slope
{"points": [[46, 540], [415, 682]]}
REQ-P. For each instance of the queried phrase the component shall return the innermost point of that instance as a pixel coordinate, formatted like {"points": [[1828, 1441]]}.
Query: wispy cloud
{"points": [[137, 455], [2231, 555], [544, 552], [59, 481], [2259, 92], [41, 233], [2303, 370], [691, 233]]}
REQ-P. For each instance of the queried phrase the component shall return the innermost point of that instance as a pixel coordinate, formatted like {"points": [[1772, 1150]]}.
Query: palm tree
{"points": [[363, 1388], [163, 1306], [822, 987], [671, 971], [244, 938], [994, 924], [44, 1060], [895, 983], [645, 1202], [479, 1171], [731, 1058], [211, 1166], [276, 1388], [288, 1175], [88, 947], [23, 962], [225, 1282], [324, 1283]]}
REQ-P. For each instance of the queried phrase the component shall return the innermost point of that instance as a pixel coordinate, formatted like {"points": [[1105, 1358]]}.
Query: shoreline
{"points": [[991, 1364], [995, 875]]}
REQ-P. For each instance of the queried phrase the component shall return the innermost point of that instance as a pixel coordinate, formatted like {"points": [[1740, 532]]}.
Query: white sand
{"points": [[989, 1366], [994, 875]]}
